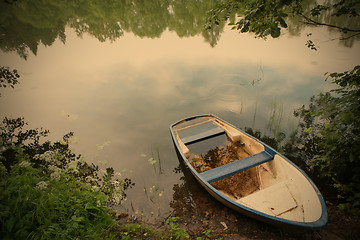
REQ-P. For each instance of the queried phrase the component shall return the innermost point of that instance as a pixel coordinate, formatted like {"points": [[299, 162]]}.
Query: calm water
{"points": [[120, 95]]}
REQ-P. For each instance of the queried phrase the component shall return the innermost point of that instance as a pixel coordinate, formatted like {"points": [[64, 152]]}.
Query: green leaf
{"points": [[283, 23], [245, 28], [308, 130], [152, 161], [275, 31]]}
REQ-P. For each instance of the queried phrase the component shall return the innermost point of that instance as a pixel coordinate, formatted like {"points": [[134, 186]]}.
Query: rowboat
{"points": [[247, 175]]}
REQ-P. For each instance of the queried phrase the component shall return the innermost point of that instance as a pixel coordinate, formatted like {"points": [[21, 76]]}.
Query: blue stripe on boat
{"points": [[237, 166]]}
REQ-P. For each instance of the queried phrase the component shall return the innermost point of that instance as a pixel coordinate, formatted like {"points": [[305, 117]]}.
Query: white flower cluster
{"points": [[118, 191], [25, 164], [53, 158], [42, 185], [90, 179], [72, 166], [56, 172]]}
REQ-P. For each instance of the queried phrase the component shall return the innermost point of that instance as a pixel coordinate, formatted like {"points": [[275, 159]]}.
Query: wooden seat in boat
{"points": [[211, 131], [237, 166]]}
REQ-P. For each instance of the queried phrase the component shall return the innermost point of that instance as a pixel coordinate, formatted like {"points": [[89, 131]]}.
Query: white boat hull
{"points": [[285, 195]]}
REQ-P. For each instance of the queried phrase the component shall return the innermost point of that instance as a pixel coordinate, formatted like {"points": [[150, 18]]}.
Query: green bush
{"points": [[37, 206], [49, 192], [331, 124]]}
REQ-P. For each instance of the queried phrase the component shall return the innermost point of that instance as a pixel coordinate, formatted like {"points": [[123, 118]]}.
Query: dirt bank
{"points": [[211, 220]]}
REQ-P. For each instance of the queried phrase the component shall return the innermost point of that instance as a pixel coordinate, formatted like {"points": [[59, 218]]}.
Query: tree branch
{"points": [[313, 22], [345, 38]]}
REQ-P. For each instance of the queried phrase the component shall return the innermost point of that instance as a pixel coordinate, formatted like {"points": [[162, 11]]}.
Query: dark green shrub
{"points": [[332, 124], [38, 206]]}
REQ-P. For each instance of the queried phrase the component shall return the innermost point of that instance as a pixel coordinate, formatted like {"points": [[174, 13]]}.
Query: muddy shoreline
{"points": [[221, 222], [203, 213]]}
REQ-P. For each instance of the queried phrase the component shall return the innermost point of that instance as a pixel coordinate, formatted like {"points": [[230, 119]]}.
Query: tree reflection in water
{"points": [[27, 24], [24, 25]]}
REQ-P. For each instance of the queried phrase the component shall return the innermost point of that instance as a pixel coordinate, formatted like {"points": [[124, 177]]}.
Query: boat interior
{"points": [[255, 176]]}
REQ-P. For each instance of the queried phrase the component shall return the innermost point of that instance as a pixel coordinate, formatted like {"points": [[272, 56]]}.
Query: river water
{"points": [[119, 96]]}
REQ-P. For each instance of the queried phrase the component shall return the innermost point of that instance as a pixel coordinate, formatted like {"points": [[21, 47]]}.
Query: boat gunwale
{"points": [[319, 223]]}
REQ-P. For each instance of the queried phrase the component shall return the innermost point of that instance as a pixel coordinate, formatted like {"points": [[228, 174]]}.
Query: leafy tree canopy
{"points": [[267, 18]]}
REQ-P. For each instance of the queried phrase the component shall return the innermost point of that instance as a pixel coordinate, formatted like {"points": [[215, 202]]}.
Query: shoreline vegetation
{"points": [[49, 192]]}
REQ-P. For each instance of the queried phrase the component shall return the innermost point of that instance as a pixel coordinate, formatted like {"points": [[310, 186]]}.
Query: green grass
{"points": [[34, 206], [135, 231], [37, 206]]}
